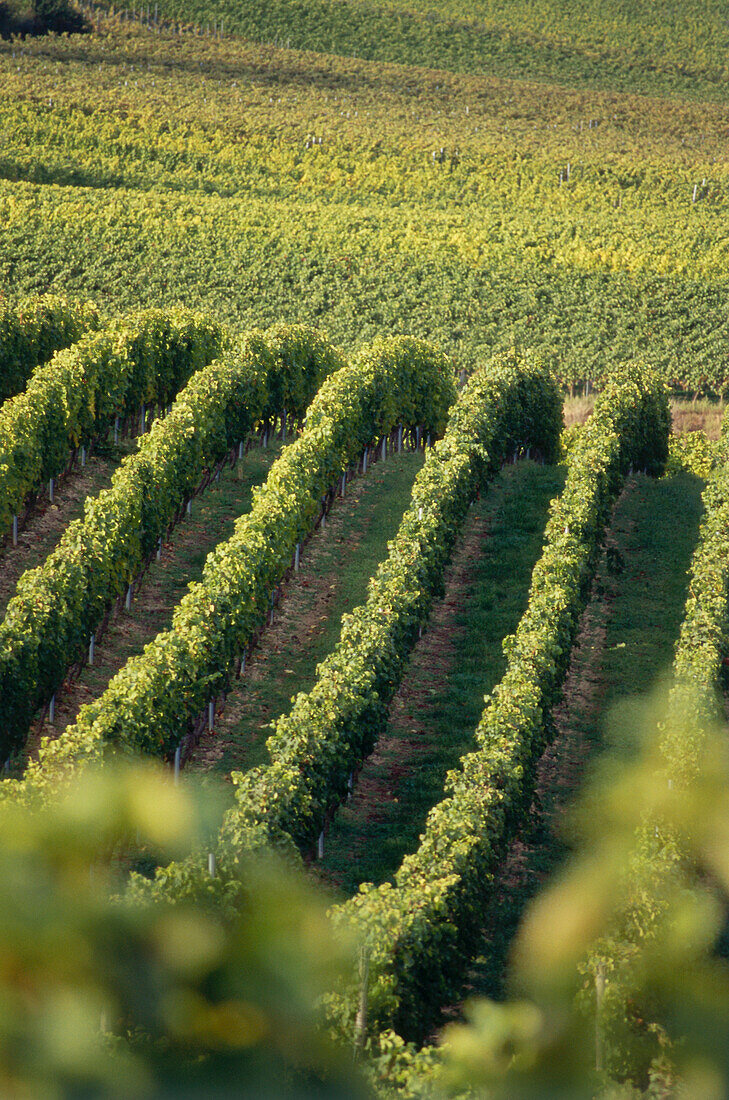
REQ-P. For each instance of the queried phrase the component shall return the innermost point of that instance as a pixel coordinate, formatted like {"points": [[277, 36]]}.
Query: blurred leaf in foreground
{"points": [[104, 994], [620, 964]]}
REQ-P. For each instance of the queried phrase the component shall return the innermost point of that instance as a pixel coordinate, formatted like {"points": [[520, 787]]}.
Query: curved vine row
{"points": [[77, 397], [153, 700], [32, 330], [60, 604]]}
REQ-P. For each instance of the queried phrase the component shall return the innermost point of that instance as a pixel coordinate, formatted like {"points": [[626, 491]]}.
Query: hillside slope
{"points": [[628, 45], [263, 184]]}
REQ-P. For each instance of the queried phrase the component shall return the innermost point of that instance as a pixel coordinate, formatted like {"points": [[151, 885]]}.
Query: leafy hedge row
{"points": [[665, 858], [419, 930], [330, 729], [703, 645], [153, 700], [32, 330], [60, 604], [73, 400]]}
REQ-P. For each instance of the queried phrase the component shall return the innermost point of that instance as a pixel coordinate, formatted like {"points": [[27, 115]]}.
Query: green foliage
{"points": [[302, 360], [59, 605], [644, 901], [151, 702], [337, 564], [32, 330], [508, 406], [128, 177], [368, 837], [643, 1029], [624, 948], [418, 931], [691, 452], [216, 993], [569, 439], [74, 399], [103, 995], [576, 43]]}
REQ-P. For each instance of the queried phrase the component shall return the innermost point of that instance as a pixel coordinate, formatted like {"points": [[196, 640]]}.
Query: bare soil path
{"points": [[336, 565]]}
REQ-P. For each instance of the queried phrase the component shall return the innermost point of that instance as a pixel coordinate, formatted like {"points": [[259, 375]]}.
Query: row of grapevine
{"points": [[576, 44], [152, 702], [59, 605], [585, 295], [703, 644], [664, 865], [32, 330], [419, 931], [505, 407], [332, 728], [75, 398]]}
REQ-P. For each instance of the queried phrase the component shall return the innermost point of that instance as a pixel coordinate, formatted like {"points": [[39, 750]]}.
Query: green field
{"points": [[262, 184], [628, 47]]}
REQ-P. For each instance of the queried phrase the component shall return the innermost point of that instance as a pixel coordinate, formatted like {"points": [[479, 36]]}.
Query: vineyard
{"points": [[261, 185], [364, 529]]}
